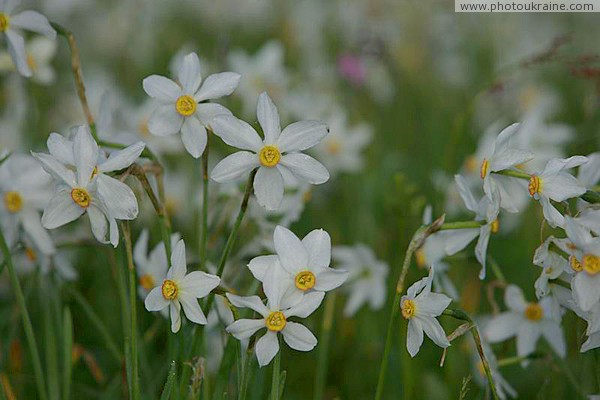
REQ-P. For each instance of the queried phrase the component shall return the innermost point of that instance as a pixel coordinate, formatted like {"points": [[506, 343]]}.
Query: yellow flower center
{"points": [[471, 164], [591, 264], [13, 201], [275, 322], [305, 280], [3, 22], [169, 290], [495, 226], [485, 165], [185, 105], [30, 254], [420, 258], [535, 185], [409, 308], [147, 281], [575, 264], [534, 312], [334, 146], [269, 156], [81, 197]]}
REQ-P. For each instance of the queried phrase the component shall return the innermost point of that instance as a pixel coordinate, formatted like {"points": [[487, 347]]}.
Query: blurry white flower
{"points": [[29, 257], [181, 290], [183, 104], [553, 183], [526, 321], [88, 188], [40, 52], [585, 260], [151, 267], [305, 262], [24, 190], [503, 157], [366, 277], [12, 25], [262, 72], [589, 173], [279, 152], [421, 307], [275, 318], [553, 266]]}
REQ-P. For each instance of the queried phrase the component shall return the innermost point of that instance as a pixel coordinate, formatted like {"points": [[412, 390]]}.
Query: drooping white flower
{"points": [[306, 264], [151, 267], [24, 191], [183, 107], [420, 307], [11, 27], [503, 156], [180, 290], [275, 318], [553, 266], [366, 283], [554, 183], [40, 51], [278, 153], [88, 189], [526, 321], [585, 260]]}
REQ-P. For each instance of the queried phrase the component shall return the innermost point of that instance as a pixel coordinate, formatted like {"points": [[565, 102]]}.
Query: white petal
{"points": [[466, 194], [98, 223], [414, 337], [318, 245], [32, 225], [275, 286], [305, 168], [309, 303], [165, 121], [122, 159], [198, 284], [58, 171], [555, 337], [298, 337], [527, 336], [459, 239], [140, 251], [562, 187], [206, 112], [33, 21], [218, 85], [552, 215], [586, 290], [329, 279], [556, 165], [155, 300], [119, 198], [16, 48], [268, 187], [268, 117], [260, 265], [61, 148], [244, 328], [432, 304], [236, 133], [514, 298], [481, 248], [502, 327], [189, 74], [178, 262], [301, 135], [191, 308], [85, 154], [162, 89], [292, 254], [510, 158], [193, 135], [252, 302], [234, 166], [175, 311], [434, 331], [61, 210], [266, 348]]}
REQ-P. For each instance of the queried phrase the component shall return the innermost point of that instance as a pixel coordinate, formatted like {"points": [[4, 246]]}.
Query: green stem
{"points": [[463, 316], [246, 371], [462, 225], [514, 174], [133, 312], [27, 326], [505, 362], [322, 363], [276, 377], [204, 233]]}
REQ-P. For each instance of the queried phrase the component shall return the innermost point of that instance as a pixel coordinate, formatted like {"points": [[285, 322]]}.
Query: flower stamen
{"points": [[269, 156], [169, 289], [185, 105], [535, 186], [591, 264], [495, 225], [81, 197], [275, 321], [485, 165], [13, 201], [3, 22], [575, 264], [305, 280], [409, 308], [534, 312]]}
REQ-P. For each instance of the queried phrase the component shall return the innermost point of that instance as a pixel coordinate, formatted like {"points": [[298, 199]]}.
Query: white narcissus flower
{"points": [[24, 191], [183, 104], [278, 153], [40, 52], [585, 260], [589, 173], [180, 290], [553, 264], [526, 321], [276, 319], [151, 267], [421, 307], [503, 157], [11, 27], [88, 189], [305, 262], [554, 183], [366, 277]]}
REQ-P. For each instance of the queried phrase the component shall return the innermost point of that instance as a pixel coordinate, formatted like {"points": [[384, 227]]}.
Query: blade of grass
{"points": [[166, 393], [67, 350]]}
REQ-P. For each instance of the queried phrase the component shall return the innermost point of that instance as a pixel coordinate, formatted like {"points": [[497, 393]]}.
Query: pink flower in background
{"points": [[352, 68]]}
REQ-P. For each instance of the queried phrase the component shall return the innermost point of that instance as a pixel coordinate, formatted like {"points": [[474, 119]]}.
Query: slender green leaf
{"points": [[166, 393]]}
